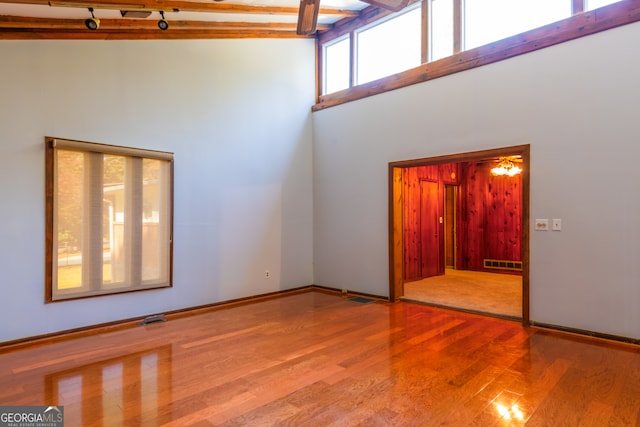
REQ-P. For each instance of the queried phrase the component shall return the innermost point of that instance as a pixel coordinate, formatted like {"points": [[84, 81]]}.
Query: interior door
{"points": [[430, 230]]}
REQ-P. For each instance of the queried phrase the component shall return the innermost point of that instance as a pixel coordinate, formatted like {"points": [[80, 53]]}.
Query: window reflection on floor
{"points": [[117, 391]]}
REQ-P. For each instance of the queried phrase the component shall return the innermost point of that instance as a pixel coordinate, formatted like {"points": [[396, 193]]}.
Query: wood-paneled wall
{"points": [[489, 216]]}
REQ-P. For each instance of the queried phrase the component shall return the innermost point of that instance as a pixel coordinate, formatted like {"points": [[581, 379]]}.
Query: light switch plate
{"points": [[542, 224], [556, 224]]}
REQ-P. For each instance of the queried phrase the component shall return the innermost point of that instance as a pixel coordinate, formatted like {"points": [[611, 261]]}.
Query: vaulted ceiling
{"points": [[138, 19]]}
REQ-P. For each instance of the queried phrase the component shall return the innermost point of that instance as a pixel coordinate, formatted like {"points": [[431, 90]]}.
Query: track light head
{"points": [[92, 23], [162, 23]]}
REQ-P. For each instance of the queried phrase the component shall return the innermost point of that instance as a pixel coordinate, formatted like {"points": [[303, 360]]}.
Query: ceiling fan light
{"points": [[506, 167], [514, 171]]}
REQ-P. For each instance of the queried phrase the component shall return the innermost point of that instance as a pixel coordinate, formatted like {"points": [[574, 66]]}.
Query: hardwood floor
{"points": [[314, 359]]}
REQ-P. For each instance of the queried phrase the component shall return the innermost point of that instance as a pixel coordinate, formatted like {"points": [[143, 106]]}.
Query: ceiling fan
{"points": [[308, 12]]}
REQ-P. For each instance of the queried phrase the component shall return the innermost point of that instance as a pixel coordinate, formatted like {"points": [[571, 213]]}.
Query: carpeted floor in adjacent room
{"points": [[494, 293]]}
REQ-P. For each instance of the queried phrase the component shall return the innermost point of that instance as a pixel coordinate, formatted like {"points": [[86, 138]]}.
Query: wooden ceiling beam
{"points": [[35, 24], [142, 34]]}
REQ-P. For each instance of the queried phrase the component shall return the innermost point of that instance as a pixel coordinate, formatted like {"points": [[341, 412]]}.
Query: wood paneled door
{"points": [[423, 224]]}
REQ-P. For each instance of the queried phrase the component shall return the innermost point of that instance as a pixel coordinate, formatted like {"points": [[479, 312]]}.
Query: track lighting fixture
{"points": [[162, 23], [92, 23]]}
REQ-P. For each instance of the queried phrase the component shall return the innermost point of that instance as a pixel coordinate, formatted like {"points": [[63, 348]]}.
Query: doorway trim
{"points": [[396, 226]]}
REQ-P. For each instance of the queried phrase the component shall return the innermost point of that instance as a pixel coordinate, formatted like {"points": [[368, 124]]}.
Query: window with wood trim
{"points": [[440, 38], [388, 46], [109, 219], [337, 71], [464, 34], [486, 21], [595, 4]]}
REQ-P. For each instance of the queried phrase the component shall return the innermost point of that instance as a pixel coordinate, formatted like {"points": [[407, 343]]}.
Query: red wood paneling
{"points": [[430, 229], [489, 216], [411, 218], [471, 218], [450, 173]]}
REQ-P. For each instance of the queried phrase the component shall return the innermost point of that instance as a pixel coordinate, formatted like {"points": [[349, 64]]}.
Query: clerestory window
{"points": [[468, 33], [486, 21], [389, 46]]}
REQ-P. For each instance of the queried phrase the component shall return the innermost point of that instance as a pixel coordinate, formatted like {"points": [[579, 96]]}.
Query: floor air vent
{"points": [[503, 265], [361, 300], [156, 318]]}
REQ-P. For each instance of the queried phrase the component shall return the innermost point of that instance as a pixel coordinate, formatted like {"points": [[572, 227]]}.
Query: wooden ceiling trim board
{"points": [[19, 22], [142, 34]]}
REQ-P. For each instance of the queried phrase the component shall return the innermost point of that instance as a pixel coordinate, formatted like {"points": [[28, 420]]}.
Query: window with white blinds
{"points": [[109, 219]]}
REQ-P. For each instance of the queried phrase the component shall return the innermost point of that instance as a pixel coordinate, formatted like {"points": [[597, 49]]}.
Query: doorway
{"points": [[403, 251], [450, 192]]}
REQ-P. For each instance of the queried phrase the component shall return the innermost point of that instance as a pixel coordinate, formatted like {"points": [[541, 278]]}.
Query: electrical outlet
{"points": [[267, 274]]}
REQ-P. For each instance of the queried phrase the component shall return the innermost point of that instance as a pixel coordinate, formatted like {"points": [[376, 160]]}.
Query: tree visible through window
{"points": [[109, 220]]}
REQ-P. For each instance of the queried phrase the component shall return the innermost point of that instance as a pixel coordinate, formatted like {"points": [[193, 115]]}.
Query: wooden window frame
{"points": [[322, 54], [353, 35], [458, 26], [133, 154], [582, 23]]}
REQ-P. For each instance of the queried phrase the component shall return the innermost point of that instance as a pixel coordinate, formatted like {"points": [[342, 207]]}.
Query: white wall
{"points": [[577, 104], [236, 113]]}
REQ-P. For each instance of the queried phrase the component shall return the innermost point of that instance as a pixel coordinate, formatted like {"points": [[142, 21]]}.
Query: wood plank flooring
{"points": [[315, 359]]}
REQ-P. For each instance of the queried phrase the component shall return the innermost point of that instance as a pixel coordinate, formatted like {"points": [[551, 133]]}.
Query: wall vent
{"points": [[153, 319], [503, 264]]}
